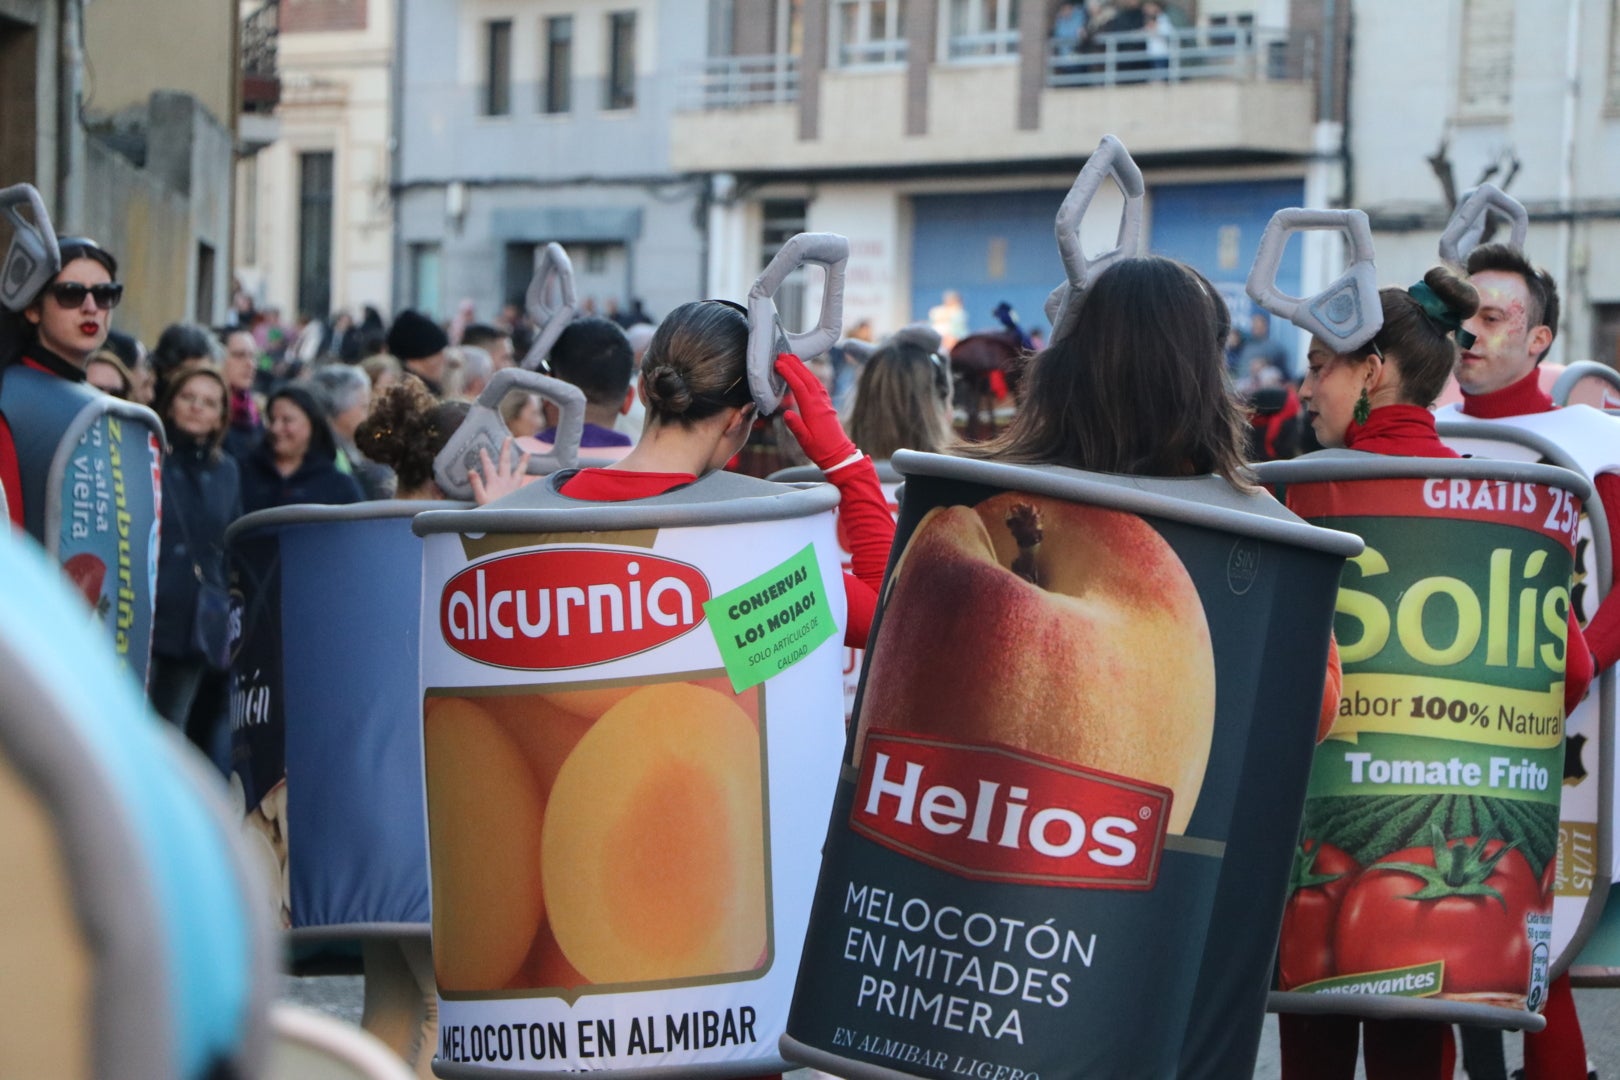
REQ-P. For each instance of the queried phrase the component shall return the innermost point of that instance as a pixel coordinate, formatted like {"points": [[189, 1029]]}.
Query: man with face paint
{"points": [[1513, 330]]}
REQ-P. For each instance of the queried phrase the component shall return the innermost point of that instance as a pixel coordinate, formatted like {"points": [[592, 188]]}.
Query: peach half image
{"points": [[1050, 626], [596, 835]]}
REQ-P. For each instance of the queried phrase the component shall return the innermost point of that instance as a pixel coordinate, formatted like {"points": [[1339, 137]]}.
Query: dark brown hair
{"points": [[899, 399], [697, 363], [106, 356], [1538, 283], [1422, 349], [1138, 386], [406, 430]]}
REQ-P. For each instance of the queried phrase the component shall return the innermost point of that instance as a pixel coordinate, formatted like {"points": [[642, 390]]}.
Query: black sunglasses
{"points": [[71, 294]]}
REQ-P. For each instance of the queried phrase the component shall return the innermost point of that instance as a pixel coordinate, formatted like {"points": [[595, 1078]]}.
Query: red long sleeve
{"points": [[1603, 632], [868, 524], [10, 477], [1579, 669], [869, 532]]}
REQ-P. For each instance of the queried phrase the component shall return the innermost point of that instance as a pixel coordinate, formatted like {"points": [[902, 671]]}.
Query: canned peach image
{"points": [[1090, 616], [1061, 839], [603, 836]]}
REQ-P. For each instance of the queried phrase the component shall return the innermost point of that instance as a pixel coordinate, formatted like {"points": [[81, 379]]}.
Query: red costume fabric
{"points": [[1272, 424], [1558, 1051], [867, 524], [10, 475]]}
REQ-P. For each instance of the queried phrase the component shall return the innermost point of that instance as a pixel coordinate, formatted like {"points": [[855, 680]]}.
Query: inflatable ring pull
{"points": [[1110, 159], [1467, 225], [33, 257], [767, 338], [1574, 373], [484, 429], [550, 302], [1346, 314]]}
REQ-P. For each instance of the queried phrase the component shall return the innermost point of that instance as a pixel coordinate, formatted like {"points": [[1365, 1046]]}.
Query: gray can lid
{"points": [[1326, 465], [1205, 501], [278, 517], [720, 498], [809, 474]]}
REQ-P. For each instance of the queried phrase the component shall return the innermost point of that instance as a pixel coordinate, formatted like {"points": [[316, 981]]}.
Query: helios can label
{"points": [[1051, 800], [1427, 864]]}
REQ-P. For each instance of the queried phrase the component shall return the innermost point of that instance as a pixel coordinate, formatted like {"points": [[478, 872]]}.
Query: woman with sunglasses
{"points": [[694, 382], [57, 333]]}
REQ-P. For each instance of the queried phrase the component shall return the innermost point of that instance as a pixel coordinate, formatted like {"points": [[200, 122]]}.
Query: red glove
{"points": [[815, 425]]}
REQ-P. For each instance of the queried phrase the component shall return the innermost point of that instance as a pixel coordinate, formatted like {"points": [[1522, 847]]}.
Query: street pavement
{"points": [[340, 996]]}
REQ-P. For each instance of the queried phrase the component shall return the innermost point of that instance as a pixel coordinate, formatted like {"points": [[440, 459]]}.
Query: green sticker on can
{"points": [[767, 625]]}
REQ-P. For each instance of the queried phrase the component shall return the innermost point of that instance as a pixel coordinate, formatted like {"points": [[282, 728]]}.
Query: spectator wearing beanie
{"points": [[419, 344]]}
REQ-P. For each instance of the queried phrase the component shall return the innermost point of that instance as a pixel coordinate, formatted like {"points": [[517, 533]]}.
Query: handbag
{"points": [[211, 616]]}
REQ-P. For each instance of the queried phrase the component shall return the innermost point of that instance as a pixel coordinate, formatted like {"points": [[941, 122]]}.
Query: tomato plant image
{"points": [[1463, 902], [1322, 875]]}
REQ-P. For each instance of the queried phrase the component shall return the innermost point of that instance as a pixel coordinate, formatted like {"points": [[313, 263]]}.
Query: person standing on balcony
{"points": [[1068, 24], [1160, 32]]}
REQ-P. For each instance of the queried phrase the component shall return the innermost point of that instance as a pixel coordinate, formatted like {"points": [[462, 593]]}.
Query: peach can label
{"points": [[1045, 853], [610, 802]]}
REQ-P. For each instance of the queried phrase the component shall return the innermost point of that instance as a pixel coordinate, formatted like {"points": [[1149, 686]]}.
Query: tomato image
{"points": [[1461, 901], [1322, 875], [87, 573]]}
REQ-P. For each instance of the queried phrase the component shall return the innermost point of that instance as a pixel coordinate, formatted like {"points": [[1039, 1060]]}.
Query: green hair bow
{"points": [[1436, 309]]}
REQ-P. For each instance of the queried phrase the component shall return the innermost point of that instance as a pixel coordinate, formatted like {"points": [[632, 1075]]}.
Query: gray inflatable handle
{"points": [[33, 257], [1110, 159], [857, 350], [1578, 371], [1467, 225], [1347, 314], [766, 337], [550, 302], [484, 429]]}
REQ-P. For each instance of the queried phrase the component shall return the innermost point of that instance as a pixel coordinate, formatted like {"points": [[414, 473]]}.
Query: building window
{"points": [[981, 28], [1612, 96], [425, 279], [556, 96], [1486, 83], [498, 67], [784, 219], [205, 284], [315, 234], [621, 85], [868, 32]]}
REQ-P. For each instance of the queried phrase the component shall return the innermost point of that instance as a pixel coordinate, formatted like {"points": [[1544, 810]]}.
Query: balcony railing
{"points": [[989, 43], [882, 52], [261, 83], [1215, 52], [737, 82]]}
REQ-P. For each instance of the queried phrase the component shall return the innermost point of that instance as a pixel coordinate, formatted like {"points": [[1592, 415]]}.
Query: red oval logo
{"points": [[569, 607]]}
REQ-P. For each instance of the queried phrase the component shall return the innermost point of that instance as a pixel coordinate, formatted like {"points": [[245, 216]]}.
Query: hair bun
{"points": [[1460, 298], [667, 390]]}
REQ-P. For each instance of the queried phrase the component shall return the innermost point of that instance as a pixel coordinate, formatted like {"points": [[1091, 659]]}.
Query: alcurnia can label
{"points": [[623, 732]]}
